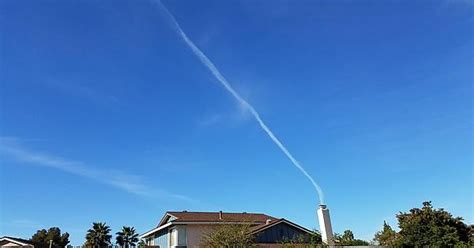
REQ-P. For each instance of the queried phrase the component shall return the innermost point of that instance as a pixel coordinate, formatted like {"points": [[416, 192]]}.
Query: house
{"points": [[186, 229], [10, 242]]}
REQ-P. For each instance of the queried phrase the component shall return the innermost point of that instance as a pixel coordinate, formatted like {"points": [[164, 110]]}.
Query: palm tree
{"points": [[142, 244], [99, 236], [127, 237]]}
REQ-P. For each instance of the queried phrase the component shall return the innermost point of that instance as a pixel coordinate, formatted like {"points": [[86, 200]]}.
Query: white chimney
{"points": [[325, 225]]}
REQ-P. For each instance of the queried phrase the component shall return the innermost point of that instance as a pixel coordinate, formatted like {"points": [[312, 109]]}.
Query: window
{"points": [[150, 241]]}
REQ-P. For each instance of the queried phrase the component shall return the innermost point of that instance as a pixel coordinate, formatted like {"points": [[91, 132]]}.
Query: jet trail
{"points": [[208, 63]]}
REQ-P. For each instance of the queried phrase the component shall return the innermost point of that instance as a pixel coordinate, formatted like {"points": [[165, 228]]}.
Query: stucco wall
{"points": [[195, 233]]}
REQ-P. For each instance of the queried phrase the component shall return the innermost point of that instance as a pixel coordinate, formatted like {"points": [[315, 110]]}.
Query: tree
{"points": [[42, 238], [428, 227], [127, 237], [98, 236], [347, 238], [348, 235], [303, 241], [229, 236], [141, 243], [387, 237]]}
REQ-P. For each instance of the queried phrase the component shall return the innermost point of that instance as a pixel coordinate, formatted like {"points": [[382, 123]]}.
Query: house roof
{"points": [[19, 241], [259, 228], [184, 216], [258, 221]]}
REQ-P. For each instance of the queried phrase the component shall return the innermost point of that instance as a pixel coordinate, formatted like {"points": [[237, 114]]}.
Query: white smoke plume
{"points": [[208, 63]]}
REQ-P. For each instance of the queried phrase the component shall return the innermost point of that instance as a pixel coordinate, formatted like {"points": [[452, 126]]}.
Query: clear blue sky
{"points": [[107, 115]]}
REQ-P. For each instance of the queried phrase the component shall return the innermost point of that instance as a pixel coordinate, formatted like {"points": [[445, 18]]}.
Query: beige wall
{"points": [[195, 233]]}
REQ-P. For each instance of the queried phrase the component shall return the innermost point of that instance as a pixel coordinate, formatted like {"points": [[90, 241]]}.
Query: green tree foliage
{"points": [[98, 236], [229, 236], [42, 238], [127, 237], [303, 241], [347, 238], [347, 235], [141, 243], [427, 227], [387, 237], [432, 227]]}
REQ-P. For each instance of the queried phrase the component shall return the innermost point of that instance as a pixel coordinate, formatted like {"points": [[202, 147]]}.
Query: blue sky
{"points": [[107, 115]]}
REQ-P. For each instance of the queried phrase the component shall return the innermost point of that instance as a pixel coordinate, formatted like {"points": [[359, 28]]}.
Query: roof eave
{"points": [[154, 230], [15, 241]]}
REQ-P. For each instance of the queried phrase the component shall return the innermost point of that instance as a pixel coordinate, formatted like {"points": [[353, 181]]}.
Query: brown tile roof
{"points": [[264, 225], [257, 221], [220, 217]]}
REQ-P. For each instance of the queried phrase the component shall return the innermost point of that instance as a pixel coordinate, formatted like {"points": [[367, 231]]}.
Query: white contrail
{"points": [[208, 63], [9, 148]]}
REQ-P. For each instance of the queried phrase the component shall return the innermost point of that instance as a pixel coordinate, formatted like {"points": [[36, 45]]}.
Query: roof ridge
{"points": [[186, 211]]}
